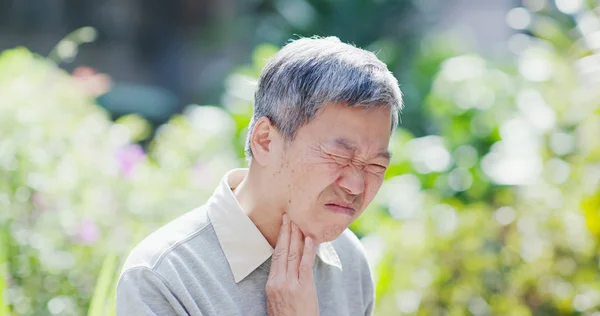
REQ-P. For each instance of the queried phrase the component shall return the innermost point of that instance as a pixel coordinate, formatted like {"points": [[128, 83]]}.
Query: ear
{"points": [[264, 134]]}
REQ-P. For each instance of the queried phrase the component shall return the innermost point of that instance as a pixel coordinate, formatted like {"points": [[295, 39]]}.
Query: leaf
{"points": [[13, 59], [261, 56], [4, 309], [139, 128], [385, 270], [104, 287], [591, 212], [551, 30]]}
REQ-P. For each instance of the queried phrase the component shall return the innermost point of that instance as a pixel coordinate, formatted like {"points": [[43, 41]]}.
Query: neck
{"points": [[266, 216]]}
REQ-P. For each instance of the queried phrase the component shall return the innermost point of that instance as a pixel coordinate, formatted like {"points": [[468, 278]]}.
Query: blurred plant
{"points": [[89, 80], [66, 50], [75, 187], [103, 302], [3, 271], [490, 216]]}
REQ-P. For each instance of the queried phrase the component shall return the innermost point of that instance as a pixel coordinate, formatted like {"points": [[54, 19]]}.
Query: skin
{"points": [[338, 158], [308, 191], [291, 287]]}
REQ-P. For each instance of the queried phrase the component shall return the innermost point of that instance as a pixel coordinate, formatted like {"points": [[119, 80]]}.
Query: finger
{"points": [[305, 273], [279, 259], [295, 253]]}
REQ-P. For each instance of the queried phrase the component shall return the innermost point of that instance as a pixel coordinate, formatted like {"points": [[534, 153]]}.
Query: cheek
{"points": [[373, 184], [309, 175], [309, 181], [316, 172]]}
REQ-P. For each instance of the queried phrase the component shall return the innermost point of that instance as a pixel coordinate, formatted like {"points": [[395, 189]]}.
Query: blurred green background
{"points": [[491, 205]]}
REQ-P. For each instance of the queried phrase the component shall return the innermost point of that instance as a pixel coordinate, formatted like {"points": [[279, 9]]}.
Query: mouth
{"points": [[340, 208]]}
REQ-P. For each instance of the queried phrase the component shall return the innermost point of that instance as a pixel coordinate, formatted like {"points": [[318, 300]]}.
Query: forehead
{"points": [[356, 126]]}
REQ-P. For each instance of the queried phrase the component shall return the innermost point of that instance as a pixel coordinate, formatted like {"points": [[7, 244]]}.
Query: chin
{"points": [[328, 234]]}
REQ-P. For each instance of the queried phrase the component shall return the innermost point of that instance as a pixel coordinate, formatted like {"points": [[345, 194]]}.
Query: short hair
{"points": [[309, 73]]}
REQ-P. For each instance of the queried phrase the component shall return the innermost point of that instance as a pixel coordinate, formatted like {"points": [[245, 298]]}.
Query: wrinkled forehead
{"points": [[358, 110], [357, 118], [354, 129]]}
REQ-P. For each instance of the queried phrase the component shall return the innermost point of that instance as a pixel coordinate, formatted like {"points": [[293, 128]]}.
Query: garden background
{"points": [[491, 205]]}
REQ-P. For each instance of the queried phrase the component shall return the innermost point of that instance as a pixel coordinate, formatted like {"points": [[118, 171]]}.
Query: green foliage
{"points": [[4, 308], [103, 300], [76, 188]]}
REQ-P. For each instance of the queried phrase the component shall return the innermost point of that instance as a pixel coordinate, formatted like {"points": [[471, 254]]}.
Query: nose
{"points": [[352, 180]]}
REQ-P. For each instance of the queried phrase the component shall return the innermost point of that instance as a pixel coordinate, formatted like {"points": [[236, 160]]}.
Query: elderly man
{"points": [[273, 238]]}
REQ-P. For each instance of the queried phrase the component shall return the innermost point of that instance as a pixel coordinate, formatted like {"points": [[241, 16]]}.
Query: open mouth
{"points": [[337, 208]]}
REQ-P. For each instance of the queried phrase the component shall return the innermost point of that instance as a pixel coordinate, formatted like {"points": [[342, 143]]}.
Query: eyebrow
{"points": [[348, 145]]}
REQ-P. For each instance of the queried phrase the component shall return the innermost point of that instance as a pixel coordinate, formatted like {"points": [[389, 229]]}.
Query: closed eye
{"points": [[345, 160], [338, 158], [342, 160], [376, 169]]}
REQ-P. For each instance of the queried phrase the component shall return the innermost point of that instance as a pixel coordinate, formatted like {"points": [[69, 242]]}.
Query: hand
{"points": [[291, 288]]}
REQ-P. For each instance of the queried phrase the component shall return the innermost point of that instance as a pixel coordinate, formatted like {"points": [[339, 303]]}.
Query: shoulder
{"points": [[349, 248], [192, 226], [352, 254], [355, 267]]}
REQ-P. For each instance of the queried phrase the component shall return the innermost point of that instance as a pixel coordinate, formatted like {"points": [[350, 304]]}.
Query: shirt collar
{"points": [[243, 244]]}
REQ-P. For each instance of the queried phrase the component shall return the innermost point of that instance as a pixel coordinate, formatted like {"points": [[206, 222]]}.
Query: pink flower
{"points": [[88, 232], [129, 156], [38, 201], [91, 82]]}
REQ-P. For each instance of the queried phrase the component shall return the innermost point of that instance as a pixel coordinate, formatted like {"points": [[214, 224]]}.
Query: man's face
{"points": [[333, 168]]}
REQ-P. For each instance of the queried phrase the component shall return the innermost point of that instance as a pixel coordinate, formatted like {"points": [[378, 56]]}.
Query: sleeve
{"points": [[141, 291], [369, 290], [370, 303]]}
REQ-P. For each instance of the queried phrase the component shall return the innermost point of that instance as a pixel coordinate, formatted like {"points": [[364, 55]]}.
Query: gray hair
{"points": [[309, 73]]}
